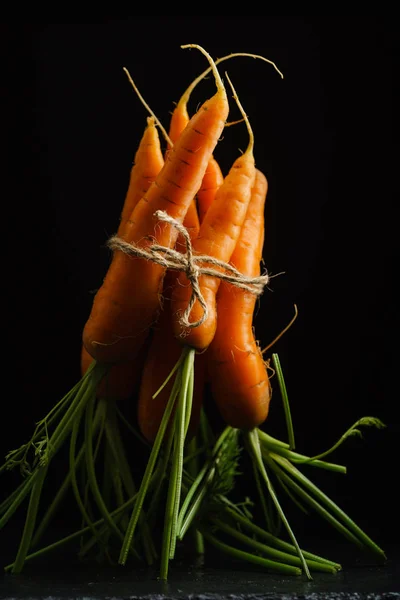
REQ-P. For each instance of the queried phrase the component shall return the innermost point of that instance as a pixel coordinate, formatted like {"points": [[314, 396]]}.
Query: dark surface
{"points": [[361, 578]]}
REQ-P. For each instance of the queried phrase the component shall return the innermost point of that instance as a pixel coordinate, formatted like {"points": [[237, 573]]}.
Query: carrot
{"points": [[212, 181], [163, 354], [120, 380], [217, 238], [165, 349], [179, 121], [148, 163], [120, 319], [213, 177], [238, 374], [177, 125]]}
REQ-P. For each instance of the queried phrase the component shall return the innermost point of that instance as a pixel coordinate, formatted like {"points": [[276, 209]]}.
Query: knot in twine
{"points": [[192, 265]]}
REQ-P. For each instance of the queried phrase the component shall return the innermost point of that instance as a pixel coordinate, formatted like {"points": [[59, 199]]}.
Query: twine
{"points": [[189, 264]]}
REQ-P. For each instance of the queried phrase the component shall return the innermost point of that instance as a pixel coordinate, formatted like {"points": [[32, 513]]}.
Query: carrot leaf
{"points": [[351, 432]]}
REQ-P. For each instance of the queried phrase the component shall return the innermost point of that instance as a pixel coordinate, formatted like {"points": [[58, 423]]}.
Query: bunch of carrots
{"points": [[173, 314]]}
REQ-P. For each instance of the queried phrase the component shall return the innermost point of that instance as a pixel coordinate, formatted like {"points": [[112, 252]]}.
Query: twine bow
{"points": [[193, 265]]}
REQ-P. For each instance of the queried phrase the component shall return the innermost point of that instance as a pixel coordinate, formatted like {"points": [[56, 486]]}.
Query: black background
{"points": [[326, 138]]}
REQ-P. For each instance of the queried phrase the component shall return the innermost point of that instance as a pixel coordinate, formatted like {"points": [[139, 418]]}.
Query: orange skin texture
{"points": [[212, 180], [127, 303], [164, 352], [238, 374], [212, 177], [147, 164], [121, 379], [217, 237], [179, 120]]}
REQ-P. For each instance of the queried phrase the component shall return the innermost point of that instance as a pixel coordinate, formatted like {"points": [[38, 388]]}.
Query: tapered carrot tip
{"points": [[148, 163]]}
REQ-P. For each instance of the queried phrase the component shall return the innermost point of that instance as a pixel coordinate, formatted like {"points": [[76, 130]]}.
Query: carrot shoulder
{"points": [[127, 303], [238, 374]]}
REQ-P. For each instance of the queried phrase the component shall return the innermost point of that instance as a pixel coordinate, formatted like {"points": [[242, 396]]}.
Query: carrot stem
{"points": [[252, 558], [56, 502], [193, 510], [268, 444], [199, 487], [150, 467], [350, 526], [285, 400], [85, 391], [113, 437], [189, 395], [275, 541], [254, 444], [52, 444], [291, 484], [76, 534], [271, 441], [185, 405], [90, 466], [175, 483], [7, 502], [193, 468], [284, 330], [74, 483], [40, 430], [274, 553], [271, 525], [14, 502], [160, 475], [121, 463], [30, 520], [147, 107], [352, 431]]}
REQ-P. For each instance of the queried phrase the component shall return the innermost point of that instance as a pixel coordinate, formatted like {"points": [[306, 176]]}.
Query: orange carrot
{"points": [[120, 381], [212, 181], [165, 350], [238, 373], [217, 238], [213, 176], [179, 120], [120, 317], [178, 123], [148, 163], [163, 353]]}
